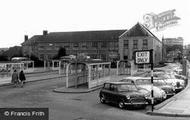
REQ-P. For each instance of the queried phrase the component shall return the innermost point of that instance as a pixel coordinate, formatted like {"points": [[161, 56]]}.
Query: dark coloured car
{"points": [[123, 94]]}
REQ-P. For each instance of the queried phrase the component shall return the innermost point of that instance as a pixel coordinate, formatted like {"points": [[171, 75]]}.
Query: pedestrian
{"points": [[15, 80], [22, 78]]}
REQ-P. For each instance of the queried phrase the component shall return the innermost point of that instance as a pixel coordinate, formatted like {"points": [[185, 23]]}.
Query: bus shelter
{"points": [[28, 65], [7, 68], [56, 64], [87, 74]]}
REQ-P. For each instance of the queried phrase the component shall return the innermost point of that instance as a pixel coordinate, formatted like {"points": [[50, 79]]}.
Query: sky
{"points": [[31, 17]]}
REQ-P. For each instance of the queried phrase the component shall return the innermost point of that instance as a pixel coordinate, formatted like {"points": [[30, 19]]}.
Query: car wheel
{"points": [[121, 105], [102, 99]]}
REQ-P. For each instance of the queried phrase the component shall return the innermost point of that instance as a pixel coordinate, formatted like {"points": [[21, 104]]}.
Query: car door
{"points": [[114, 93], [106, 91]]}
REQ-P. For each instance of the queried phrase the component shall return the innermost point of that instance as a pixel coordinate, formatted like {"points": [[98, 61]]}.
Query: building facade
{"points": [[172, 49], [139, 38], [96, 44]]}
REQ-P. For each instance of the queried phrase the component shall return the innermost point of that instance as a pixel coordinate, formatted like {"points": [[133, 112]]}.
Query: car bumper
{"points": [[156, 100], [170, 94], [178, 89], [138, 103]]}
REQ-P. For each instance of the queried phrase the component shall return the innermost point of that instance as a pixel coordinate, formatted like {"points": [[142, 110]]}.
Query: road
{"points": [[63, 106]]}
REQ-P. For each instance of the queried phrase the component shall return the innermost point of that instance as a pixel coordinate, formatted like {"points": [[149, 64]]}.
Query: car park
{"points": [[123, 94], [170, 78], [140, 82]]}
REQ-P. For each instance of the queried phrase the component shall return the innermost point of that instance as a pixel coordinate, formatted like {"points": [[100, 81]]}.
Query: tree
{"points": [[3, 58], [15, 51], [37, 62], [61, 52]]}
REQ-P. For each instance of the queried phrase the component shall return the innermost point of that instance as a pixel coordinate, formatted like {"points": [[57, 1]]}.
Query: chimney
{"points": [[25, 38], [45, 32]]}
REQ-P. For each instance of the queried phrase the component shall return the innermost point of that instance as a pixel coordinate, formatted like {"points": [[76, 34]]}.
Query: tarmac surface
{"points": [[176, 106]]}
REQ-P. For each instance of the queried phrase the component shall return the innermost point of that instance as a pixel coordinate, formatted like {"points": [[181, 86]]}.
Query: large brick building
{"points": [[139, 38], [106, 45], [96, 44]]}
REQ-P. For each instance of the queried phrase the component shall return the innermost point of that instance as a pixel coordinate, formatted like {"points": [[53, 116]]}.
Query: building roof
{"points": [[138, 30], [58, 37], [32, 40]]}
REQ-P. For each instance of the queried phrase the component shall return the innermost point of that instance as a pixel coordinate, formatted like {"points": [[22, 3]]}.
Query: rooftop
{"points": [[73, 36]]}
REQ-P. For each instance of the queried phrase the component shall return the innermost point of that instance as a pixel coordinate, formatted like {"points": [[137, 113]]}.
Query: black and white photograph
{"points": [[94, 60]]}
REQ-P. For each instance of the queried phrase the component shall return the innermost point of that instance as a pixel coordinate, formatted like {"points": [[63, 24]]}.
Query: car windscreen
{"points": [[159, 82], [143, 81], [127, 88]]}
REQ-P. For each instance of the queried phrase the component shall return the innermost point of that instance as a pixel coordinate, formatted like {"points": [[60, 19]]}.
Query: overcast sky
{"points": [[31, 17]]}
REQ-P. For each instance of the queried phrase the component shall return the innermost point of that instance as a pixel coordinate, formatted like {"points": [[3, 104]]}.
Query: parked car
{"points": [[168, 88], [140, 82], [179, 84], [123, 94]]}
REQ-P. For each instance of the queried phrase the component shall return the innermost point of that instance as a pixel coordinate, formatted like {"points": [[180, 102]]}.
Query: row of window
{"points": [[135, 44], [83, 45]]}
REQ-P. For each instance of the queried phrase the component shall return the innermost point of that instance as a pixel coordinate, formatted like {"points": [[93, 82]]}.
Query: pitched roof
{"points": [[104, 35], [138, 30], [32, 40]]}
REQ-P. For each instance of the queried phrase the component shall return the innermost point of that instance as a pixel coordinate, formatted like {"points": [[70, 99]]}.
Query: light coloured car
{"points": [[140, 82], [170, 78]]}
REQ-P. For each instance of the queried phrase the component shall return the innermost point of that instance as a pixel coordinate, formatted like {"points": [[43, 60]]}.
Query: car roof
{"points": [[136, 78], [119, 83]]}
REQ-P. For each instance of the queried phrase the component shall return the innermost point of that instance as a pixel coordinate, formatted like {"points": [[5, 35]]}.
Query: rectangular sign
{"points": [[24, 113], [143, 57]]}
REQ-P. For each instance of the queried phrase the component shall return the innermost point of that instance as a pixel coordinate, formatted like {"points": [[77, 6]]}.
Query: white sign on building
{"points": [[142, 57]]}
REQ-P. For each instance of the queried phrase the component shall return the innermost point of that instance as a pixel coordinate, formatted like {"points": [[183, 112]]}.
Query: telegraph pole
{"points": [[152, 68]]}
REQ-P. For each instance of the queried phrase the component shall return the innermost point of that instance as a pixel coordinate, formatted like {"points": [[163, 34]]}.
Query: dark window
{"points": [[125, 57], [113, 87], [107, 86], [145, 44], [95, 44], [135, 44], [126, 44], [103, 44]]}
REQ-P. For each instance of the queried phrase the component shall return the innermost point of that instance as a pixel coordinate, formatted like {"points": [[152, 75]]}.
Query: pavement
{"points": [[37, 76]]}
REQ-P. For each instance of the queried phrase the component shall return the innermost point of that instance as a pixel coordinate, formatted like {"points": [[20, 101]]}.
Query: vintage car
{"points": [[140, 82], [123, 94], [162, 84]]}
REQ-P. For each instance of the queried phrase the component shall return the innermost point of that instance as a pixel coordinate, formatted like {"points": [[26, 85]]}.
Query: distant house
{"points": [[139, 38], [173, 49]]}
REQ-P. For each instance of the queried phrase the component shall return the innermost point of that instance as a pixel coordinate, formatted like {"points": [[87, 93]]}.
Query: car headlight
{"points": [[147, 96], [164, 95], [128, 97]]}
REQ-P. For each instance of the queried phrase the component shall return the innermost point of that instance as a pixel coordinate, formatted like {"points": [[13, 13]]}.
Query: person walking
{"points": [[15, 80], [22, 78]]}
